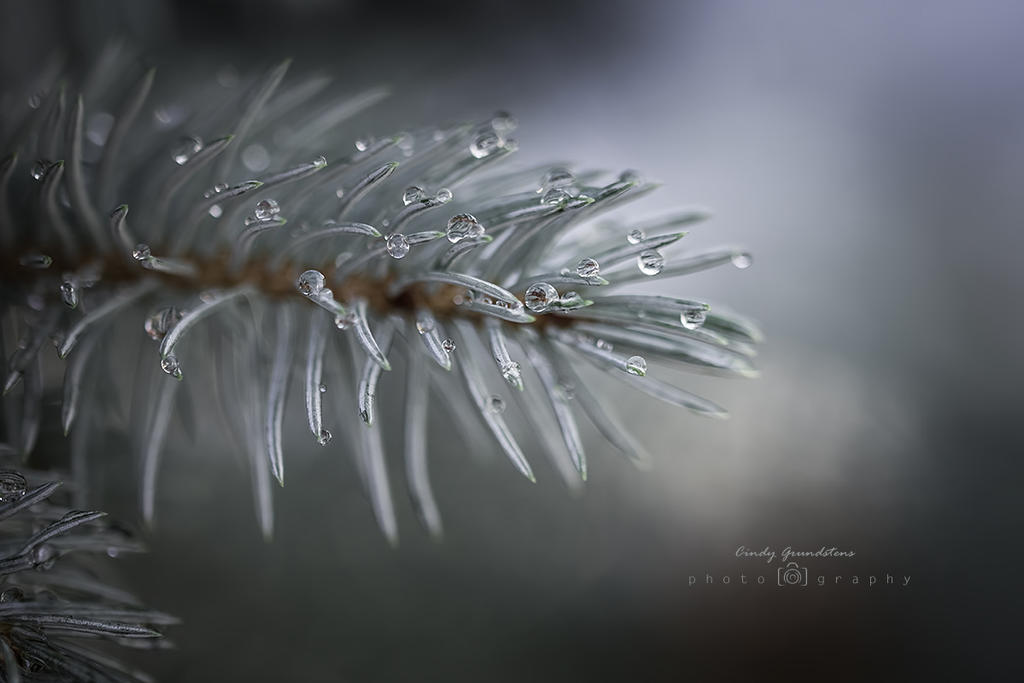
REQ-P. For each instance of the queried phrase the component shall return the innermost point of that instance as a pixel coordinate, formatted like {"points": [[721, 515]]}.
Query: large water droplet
{"points": [[364, 142], [693, 318], [555, 196], [494, 404], [266, 209], [650, 262], [448, 345], [540, 296], [216, 211], [397, 245], [141, 252], [323, 388], [186, 149], [636, 365], [485, 144], [444, 195], [12, 486], [69, 294], [742, 260], [170, 365], [424, 326], [160, 322], [310, 283], [635, 236], [588, 267], [325, 436], [462, 226], [413, 194]]}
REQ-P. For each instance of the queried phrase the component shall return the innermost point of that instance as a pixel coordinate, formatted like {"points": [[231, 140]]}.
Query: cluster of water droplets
{"points": [[649, 261], [558, 186], [541, 297], [215, 210], [463, 226]]}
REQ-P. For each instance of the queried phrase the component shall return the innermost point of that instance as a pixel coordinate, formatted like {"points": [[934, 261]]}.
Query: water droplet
{"points": [[220, 187], [363, 143], [424, 326], [413, 194], [12, 594], [636, 365], [160, 322], [256, 158], [555, 196], [44, 557], [12, 485], [113, 552], [565, 391], [397, 245], [494, 404], [325, 436], [142, 252], [216, 211], [186, 149], [448, 345], [511, 372], [540, 296], [588, 268], [170, 365], [462, 226], [310, 283], [36, 99], [69, 294], [635, 236], [485, 144], [558, 176], [266, 209], [323, 388], [603, 345], [742, 261], [693, 318], [35, 260], [650, 262], [444, 195], [344, 322], [571, 300], [39, 169]]}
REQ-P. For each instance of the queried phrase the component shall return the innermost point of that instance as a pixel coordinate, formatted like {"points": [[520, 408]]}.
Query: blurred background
{"points": [[869, 154]]}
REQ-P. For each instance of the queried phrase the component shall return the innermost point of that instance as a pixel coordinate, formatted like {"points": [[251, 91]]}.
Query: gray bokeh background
{"points": [[869, 154]]}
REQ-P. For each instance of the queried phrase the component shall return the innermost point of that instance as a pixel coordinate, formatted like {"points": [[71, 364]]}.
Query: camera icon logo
{"points": [[792, 575]]}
